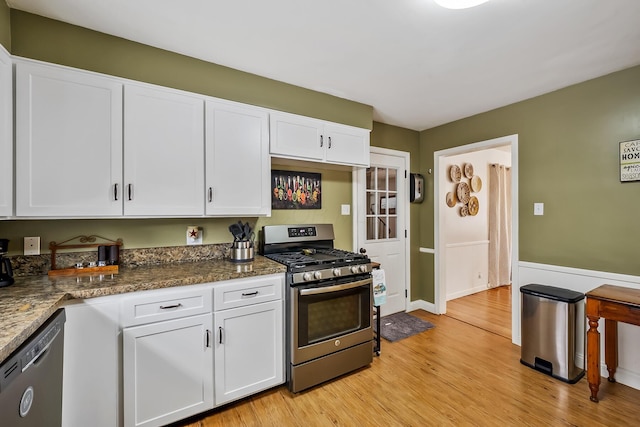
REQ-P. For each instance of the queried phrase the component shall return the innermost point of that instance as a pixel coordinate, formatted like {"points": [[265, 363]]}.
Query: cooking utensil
{"points": [[236, 231]]}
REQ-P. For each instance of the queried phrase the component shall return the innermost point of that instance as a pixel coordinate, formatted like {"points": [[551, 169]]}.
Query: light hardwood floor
{"points": [[489, 310], [453, 375]]}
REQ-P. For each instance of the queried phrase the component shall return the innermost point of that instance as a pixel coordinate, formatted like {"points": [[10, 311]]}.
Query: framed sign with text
{"points": [[630, 161]]}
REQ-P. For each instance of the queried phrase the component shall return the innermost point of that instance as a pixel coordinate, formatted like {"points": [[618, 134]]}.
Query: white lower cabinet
{"points": [[248, 350], [152, 358], [167, 371], [249, 336], [91, 372]]}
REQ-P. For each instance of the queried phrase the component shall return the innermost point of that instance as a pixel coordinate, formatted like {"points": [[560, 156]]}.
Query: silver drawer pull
{"points": [[250, 294], [168, 307]]}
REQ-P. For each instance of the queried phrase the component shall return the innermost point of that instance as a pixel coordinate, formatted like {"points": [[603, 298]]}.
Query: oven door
{"points": [[330, 316]]}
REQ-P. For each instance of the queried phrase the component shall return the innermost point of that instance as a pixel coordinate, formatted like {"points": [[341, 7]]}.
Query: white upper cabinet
{"points": [[163, 152], [304, 138], [6, 134], [296, 136], [347, 145], [68, 142], [237, 160]]}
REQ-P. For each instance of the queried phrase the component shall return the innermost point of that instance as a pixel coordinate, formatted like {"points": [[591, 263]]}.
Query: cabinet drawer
{"points": [[238, 293], [166, 304]]}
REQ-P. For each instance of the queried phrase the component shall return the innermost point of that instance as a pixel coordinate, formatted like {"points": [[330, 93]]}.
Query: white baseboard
{"points": [[422, 305], [466, 292]]}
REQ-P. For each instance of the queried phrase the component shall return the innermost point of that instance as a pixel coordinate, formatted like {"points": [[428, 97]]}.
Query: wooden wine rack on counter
{"points": [[82, 242]]}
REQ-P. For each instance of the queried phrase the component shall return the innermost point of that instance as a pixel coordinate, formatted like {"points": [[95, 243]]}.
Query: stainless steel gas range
{"points": [[329, 303]]}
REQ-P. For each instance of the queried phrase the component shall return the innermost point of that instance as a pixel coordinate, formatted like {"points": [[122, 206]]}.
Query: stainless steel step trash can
{"points": [[552, 324]]}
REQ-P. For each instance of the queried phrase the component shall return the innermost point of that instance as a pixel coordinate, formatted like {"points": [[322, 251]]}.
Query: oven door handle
{"points": [[336, 288]]}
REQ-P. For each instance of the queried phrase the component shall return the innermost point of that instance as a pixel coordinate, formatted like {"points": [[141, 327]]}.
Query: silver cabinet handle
{"points": [[219, 334], [321, 142], [250, 294], [130, 189], [210, 194], [169, 307], [329, 142], [115, 191]]}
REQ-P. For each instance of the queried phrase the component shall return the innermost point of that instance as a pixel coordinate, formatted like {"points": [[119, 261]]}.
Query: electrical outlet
{"points": [[32, 245], [345, 209]]}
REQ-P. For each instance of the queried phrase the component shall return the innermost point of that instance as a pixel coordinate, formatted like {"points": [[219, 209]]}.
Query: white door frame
{"points": [[439, 256], [407, 223]]}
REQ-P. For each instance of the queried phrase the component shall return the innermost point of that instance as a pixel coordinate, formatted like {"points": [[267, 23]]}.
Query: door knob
{"points": [[363, 251]]}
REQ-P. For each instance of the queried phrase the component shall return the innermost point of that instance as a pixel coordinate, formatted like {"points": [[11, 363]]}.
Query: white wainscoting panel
{"points": [[466, 268], [580, 280]]}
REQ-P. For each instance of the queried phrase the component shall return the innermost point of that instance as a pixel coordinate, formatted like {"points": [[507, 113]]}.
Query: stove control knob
{"points": [[337, 272], [317, 275], [363, 268], [306, 277], [354, 269]]}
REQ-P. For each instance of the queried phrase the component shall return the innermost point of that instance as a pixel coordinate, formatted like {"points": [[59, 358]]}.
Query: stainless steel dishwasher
{"points": [[31, 382]]}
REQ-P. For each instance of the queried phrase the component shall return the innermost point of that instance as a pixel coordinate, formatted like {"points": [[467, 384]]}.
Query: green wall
{"points": [[36, 37], [5, 26], [160, 232], [48, 40], [401, 139], [568, 159]]}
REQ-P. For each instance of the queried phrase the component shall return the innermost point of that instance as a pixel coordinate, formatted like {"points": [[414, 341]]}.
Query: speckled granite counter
{"points": [[28, 303]]}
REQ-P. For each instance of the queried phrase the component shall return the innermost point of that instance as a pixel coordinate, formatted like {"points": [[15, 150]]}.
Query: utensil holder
{"points": [[242, 251]]}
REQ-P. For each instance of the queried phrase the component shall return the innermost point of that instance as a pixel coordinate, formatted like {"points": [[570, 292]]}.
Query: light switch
{"points": [[538, 208], [346, 209]]}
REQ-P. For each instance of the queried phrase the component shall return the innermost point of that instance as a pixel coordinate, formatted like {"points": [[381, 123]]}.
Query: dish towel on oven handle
{"points": [[379, 287]]}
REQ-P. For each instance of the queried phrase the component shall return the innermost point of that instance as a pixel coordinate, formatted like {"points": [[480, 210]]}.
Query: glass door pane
{"points": [[381, 195]]}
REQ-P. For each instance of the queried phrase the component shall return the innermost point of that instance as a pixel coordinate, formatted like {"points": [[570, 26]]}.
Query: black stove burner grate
{"points": [[307, 257]]}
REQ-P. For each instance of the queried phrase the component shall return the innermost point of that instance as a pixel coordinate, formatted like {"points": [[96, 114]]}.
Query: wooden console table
{"points": [[614, 304]]}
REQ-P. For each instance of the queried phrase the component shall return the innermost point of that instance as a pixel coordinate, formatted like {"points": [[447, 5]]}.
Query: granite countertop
{"points": [[31, 300]]}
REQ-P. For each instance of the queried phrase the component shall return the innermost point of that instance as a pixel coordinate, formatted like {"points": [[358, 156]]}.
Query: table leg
{"points": [[593, 357], [611, 347]]}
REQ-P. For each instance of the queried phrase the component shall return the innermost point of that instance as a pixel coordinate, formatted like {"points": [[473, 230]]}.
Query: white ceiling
{"points": [[417, 64]]}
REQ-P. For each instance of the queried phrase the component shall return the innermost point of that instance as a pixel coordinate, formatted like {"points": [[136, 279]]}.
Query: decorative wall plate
{"points": [[476, 184], [464, 211], [468, 170], [455, 173], [463, 192], [451, 199], [473, 205]]}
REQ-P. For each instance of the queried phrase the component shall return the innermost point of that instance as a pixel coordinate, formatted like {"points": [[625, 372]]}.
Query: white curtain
{"points": [[499, 225]]}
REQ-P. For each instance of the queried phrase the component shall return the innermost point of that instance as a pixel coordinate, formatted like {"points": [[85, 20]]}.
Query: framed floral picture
{"points": [[295, 190]]}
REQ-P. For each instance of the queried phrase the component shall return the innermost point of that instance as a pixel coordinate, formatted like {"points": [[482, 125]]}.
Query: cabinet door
{"points": [[91, 396], [167, 371], [237, 160], [347, 145], [248, 350], [296, 136], [68, 142], [163, 152], [6, 134]]}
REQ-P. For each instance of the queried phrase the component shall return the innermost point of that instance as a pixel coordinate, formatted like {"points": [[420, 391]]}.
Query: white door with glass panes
{"points": [[382, 206]]}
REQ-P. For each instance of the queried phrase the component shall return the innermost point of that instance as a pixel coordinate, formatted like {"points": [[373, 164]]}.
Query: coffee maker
{"points": [[6, 272]]}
